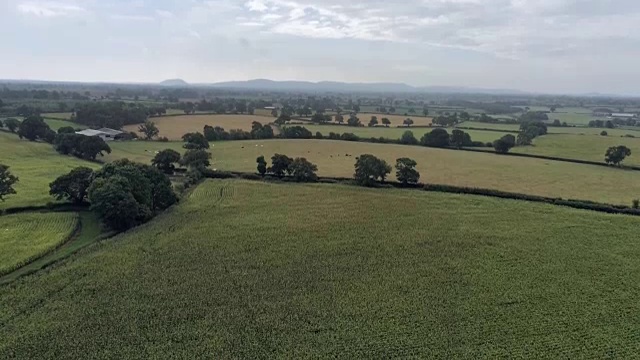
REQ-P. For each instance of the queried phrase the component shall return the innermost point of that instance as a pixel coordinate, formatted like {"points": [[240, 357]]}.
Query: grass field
{"points": [[57, 124], [460, 168], [26, 236], [58, 116], [396, 133], [635, 131], [583, 147], [36, 165], [396, 120], [253, 270], [174, 127]]}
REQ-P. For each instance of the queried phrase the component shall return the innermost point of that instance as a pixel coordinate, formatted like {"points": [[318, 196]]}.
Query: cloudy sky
{"points": [[574, 46]]}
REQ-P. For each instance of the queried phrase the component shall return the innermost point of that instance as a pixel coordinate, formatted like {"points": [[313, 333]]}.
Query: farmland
{"points": [[461, 168], [173, 127], [26, 236], [259, 273], [36, 165], [58, 116], [582, 147], [57, 124]]}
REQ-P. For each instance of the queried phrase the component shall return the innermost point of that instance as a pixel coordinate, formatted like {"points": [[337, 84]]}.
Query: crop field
{"points": [[174, 127], [57, 124], [58, 116], [26, 236], [395, 132], [582, 147], [362, 273], [36, 165], [460, 168]]}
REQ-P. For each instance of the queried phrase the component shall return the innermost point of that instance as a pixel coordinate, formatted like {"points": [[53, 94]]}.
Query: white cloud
{"points": [[50, 9], [256, 5], [126, 17], [164, 14]]}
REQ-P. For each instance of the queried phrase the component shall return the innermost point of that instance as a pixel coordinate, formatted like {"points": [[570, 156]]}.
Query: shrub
{"points": [[604, 133], [635, 204]]}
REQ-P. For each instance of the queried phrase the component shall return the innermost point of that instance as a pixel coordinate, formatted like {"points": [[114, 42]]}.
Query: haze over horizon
{"points": [[550, 46]]}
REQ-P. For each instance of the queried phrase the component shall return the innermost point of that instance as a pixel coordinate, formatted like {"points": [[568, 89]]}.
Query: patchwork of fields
{"points": [[173, 127], [36, 165], [27, 236], [325, 271], [460, 168]]}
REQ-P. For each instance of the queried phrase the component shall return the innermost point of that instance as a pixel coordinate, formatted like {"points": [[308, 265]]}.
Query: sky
{"points": [[554, 46]]}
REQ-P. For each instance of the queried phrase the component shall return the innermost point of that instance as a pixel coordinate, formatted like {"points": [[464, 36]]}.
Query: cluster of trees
{"points": [[34, 128], [370, 170], [602, 124], [11, 124], [123, 194], [530, 130], [111, 114], [300, 169], [557, 123], [258, 131], [531, 116], [40, 94], [451, 119], [221, 106]]}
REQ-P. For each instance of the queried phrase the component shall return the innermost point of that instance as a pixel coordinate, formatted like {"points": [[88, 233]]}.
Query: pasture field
{"points": [[27, 236], [396, 133], [440, 166], [57, 124], [396, 120], [582, 130], [58, 116], [254, 270], [173, 127], [36, 165], [582, 147]]}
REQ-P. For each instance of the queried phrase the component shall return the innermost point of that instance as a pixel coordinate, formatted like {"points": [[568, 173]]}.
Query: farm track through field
{"points": [[219, 194]]}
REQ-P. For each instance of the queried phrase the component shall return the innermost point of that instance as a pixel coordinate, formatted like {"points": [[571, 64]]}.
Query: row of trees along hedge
{"points": [[112, 114], [300, 169], [123, 194]]}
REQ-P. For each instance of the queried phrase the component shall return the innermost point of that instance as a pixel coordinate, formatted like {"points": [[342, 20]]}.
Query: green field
{"points": [[57, 124], [460, 168], [36, 165], [582, 147], [254, 270], [27, 236], [58, 116], [395, 133]]}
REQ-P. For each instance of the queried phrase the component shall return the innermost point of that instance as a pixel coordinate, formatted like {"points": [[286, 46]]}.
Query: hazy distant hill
{"points": [[174, 82], [330, 86]]}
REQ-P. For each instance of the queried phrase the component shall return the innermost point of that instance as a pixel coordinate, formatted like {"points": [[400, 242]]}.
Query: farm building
{"points": [[105, 133], [623, 115]]}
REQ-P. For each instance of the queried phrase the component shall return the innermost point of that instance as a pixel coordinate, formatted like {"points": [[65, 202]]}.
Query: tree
{"points": [[89, 147], [33, 128], [165, 160], [114, 203], [407, 138], [553, 109], [609, 124], [457, 138], [386, 122], [370, 169], [425, 111], [149, 129], [353, 121], [1, 124], [615, 155], [504, 144], [406, 171], [339, 119], [302, 170], [274, 113], [280, 164], [7, 180], [604, 133], [262, 165], [408, 122], [195, 141], [196, 159], [373, 122], [11, 124], [258, 131], [66, 130], [436, 138], [524, 139], [73, 186]]}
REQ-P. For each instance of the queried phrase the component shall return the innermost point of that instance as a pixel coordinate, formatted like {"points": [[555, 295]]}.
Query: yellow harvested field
{"points": [[173, 127], [396, 120]]}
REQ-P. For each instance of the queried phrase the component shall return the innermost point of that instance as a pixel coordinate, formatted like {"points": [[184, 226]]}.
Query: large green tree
{"points": [[73, 186], [262, 165], [280, 164], [504, 144], [406, 171], [149, 130], [7, 180], [33, 128], [302, 170], [370, 169], [195, 141], [436, 138], [165, 160], [615, 155], [196, 159]]}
